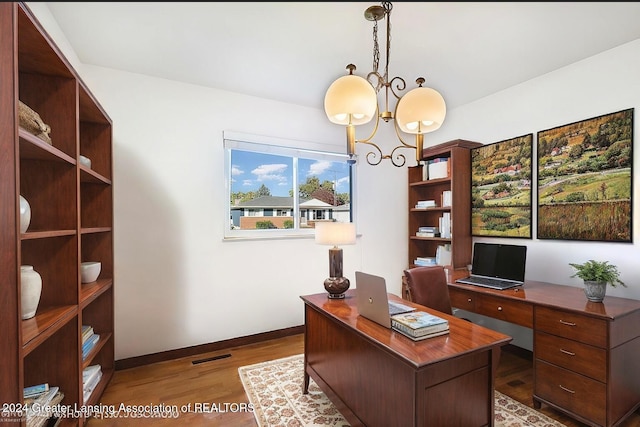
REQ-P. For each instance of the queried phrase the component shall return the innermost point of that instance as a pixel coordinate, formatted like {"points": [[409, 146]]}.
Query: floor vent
{"points": [[209, 359]]}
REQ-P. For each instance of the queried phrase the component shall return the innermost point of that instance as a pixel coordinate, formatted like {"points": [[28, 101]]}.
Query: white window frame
{"points": [[284, 147]]}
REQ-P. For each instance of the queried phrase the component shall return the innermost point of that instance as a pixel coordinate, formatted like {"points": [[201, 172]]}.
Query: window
{"points": [[280, 188]]}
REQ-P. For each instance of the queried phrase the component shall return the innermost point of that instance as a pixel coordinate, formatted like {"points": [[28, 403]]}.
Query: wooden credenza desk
{"points": [[378, 377], [586, 356]]}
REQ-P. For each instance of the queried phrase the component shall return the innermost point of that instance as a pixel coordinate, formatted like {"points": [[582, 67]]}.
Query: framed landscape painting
{"points": [[501, 188], [584, 179]]}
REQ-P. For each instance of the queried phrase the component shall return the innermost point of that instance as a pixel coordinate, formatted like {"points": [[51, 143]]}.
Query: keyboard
{"points": [[396, 308], [489, 282]]}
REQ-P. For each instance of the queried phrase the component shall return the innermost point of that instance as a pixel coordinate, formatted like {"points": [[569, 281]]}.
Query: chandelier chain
{"points": [[387, 10], [376, 48]]}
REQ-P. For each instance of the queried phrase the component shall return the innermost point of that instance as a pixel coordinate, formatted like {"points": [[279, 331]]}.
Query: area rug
{"points": [[274, 389]]}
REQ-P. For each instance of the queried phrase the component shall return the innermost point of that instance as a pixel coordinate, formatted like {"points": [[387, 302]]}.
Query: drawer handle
{"points": [[567, 323], [566, 389], [499, 308], [469, 300], [567, 352]]}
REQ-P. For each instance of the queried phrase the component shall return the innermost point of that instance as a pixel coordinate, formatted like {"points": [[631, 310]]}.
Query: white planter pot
{"points": [[25, 214], [30, 290]]}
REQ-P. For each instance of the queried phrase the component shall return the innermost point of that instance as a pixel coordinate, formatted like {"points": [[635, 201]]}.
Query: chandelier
{"points": [[352, 100]]}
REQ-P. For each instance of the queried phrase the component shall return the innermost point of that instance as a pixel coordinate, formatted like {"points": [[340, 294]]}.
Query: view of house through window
{"points": [[281, 189]]}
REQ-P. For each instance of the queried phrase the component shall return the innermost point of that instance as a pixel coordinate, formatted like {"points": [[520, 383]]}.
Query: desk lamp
{"points": [[335, 233]]}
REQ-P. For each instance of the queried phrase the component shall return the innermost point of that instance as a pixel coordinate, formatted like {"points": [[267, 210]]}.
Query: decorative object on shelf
{"points": [[335, 233], [25, 214], [585, 179], [85, 161], [501, 188], [32, 122], [596, 275], [30, 290], [89, 271], [352, 100]]}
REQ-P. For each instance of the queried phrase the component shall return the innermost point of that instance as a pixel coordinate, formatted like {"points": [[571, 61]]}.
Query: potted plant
{"points": [[596, 275]]}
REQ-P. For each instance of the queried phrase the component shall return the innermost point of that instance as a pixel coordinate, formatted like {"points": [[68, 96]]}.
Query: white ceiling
{"points": [[292, 51]]}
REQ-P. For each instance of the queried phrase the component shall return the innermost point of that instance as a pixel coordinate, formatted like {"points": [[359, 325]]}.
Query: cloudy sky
{"points": [[250, 170]]}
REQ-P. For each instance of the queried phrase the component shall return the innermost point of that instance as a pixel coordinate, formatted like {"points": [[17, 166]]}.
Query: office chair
{"points": [[428, 287]]}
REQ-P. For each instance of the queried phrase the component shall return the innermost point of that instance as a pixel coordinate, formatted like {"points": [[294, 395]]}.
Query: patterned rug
{"points": [[275, 390]]}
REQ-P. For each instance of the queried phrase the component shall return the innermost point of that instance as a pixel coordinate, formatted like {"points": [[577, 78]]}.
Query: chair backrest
{"points": [[428, 287]]}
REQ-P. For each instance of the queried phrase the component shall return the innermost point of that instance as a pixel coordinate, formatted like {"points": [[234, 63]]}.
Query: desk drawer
{"points": [[582, 358], [505, 309], [573, 392], [462, 299], [570, 325]]}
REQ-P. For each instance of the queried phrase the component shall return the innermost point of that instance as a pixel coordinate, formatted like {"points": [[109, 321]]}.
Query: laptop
{"points": [[373, 302], [497, 266]]}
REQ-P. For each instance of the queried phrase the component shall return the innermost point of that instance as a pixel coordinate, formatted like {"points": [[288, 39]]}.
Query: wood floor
{"points": [[210, 382]]}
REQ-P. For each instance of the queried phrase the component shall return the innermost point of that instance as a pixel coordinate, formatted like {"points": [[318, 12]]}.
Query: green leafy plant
{"points": [[598, 271]]}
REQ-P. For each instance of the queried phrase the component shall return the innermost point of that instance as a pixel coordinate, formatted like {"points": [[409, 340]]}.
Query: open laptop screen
{"points": [[500, 261]]}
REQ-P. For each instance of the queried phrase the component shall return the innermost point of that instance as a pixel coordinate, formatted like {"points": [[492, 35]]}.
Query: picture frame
{"points": [[584, 179], [501, 200]]}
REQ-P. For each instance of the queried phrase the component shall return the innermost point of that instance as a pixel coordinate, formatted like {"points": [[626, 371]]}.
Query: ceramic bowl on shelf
{"points": [[89, 271], [85, 161]]}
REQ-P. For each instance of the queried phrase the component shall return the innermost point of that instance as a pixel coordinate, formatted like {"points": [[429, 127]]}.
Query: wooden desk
{"points": [[378, 377], [586, 355]]}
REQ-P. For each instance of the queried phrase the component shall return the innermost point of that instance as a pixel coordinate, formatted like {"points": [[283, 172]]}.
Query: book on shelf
{"points": [[424, 204], [443, 255], [91, 376], [439, 168], [446, 198], [422, 337], [419, 323], [427, 234], [87, 331], [425, 261], [89, 344], [428, 229], [35, 390], [444, 222]]}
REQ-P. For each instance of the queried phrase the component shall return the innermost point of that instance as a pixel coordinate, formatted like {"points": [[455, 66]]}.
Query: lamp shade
{"points": [[350, 100], [335, 233], [422, 110]]}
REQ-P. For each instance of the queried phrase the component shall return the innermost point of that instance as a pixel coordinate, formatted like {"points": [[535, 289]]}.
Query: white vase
{"points": [[25, 214], [30, 290]]}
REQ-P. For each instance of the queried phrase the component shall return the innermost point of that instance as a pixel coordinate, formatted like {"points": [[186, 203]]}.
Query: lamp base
{"points": [[336, 286]]}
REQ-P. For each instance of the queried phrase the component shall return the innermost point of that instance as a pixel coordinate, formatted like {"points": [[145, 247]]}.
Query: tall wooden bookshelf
{"points": [[458, 182], [71, 219]]}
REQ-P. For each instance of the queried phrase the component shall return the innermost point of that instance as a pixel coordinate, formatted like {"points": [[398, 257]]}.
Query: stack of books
{"points": [[425, 204], [419, 325], [37, 399], [90, 378], [425, 261], [428, 232], [89, 340]]}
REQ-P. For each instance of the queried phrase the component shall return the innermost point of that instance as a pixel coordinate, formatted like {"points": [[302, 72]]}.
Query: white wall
{"points": [[178, 284]]}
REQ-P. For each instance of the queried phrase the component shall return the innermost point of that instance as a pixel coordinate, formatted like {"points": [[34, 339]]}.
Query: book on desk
{"points": [[419, 325]]}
